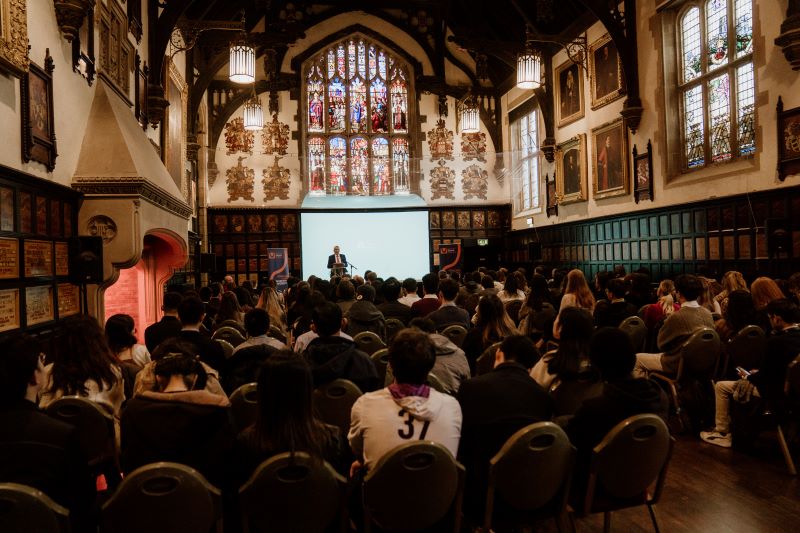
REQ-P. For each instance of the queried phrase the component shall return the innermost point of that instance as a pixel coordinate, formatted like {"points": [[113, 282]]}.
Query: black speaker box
{"points": [[85, 259], [208, 263], [779, 237], [534, 251]]}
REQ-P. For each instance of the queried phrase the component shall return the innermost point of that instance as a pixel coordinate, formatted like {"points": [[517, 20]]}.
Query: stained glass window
{"points": [[717, 81], [358, 120], [525, 162]]}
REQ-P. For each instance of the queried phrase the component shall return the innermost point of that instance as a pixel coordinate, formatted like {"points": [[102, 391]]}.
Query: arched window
{"points": [[357, 120], [716, 81]]}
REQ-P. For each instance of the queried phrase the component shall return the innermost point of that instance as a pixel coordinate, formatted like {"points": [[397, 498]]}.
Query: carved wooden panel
{"points": [[116, 51]]}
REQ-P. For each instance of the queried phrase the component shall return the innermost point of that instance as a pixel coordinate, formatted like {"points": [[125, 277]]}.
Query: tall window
{"points": [[357, 120], [525, 161], [716, 81]]}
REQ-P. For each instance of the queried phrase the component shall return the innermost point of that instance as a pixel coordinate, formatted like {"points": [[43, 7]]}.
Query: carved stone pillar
{"points": [[70, 15], [789, 39], [156, 104]]}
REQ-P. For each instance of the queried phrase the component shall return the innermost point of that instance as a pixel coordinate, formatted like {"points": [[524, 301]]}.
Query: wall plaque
{"points": [[38, 258], [69, 300], [39, 304], [62, 259], [9, 258], [9, 309]]}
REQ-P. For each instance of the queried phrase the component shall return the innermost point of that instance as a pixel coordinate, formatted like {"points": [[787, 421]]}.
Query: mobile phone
{"points": [[742, 372]]}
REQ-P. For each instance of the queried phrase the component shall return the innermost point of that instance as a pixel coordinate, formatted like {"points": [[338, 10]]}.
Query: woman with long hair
{"points": [[731, 281], [573, 331], [492, 324], [270, 302], [708, 296], [538, 312], [577, 292], [665, 306], [510, 290], [285, 421], [230, 313], [119, 330], [739, 312], [764, 290]]}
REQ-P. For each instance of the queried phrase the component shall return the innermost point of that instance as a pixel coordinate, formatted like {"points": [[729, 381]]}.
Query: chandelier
{"points": [[529, 66], [253, 113], [470, 115], [242, 62]]}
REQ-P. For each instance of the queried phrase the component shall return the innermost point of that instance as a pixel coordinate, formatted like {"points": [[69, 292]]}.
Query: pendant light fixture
{"points": [[529, 65]]}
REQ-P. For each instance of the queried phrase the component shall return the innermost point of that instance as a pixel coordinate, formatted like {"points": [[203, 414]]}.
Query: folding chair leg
{"points": [[652, 509], [787, 454], [572, 525], [607, 522]]}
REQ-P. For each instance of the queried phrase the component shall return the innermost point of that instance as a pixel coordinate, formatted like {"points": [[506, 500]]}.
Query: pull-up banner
{"points": [[450, 256], [278, 263]]}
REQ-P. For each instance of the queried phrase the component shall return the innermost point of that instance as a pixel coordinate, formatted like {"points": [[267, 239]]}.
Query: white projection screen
{"points": [[391, 243]]}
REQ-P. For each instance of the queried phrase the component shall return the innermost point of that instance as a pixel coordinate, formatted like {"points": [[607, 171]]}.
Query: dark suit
{"points": [[447, 315], [210, 351], [332, 260], [611, 314], [166, 328], [395, 309]]}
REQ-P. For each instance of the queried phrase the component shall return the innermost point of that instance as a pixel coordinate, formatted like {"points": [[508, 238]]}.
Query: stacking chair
{"points": [[485, 362], [163, 498], [368, 342], [455, 333], [628, 467], [393, 325], [792, 391], [334, 401], [293, 493], [436, 383], [381, 360], [227, 348], [229, 334], [244, 405], [540, 452], [512, 308], [634, 327], [276, 333], [745, 349], [430, 481], [24, 509]]}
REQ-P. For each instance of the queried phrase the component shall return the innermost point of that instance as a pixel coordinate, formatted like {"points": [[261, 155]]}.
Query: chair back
{"points": [[485, 362], [229, 334], [455, 333], [381, 361], [512, 308], [700, 355], [333, 402], [747, 348], [540, 451], [227, 348], [426, 475], [244, 405], [24, 509], [435, 383], [634, 327], [393, 325], [569, 394], [368, 342], [792, 384], [618, 478], [94, 424], [293, 493], [163, 498], [276, 333]]}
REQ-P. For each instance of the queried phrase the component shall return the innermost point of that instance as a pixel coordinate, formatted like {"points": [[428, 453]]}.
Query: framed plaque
{"points": [[6, 209], [69, 300], [39, 304], [9, 309], [38, 258], [9, 258], [62, 259]]}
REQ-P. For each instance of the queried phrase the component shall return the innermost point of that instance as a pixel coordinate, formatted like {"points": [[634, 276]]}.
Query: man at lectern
{"points": [[337, 261]]}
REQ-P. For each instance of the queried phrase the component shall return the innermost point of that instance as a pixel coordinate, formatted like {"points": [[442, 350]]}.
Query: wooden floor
{"points": [[711, 489]]}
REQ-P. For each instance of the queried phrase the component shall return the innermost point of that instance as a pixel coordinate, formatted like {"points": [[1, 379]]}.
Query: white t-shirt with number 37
{"points": [[379, 423]]}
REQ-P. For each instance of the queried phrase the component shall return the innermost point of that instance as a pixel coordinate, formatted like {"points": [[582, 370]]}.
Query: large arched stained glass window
{"points": [[357, 120]]}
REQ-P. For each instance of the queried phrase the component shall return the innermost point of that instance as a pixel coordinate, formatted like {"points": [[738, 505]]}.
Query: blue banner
{"points": [[278, 263]]}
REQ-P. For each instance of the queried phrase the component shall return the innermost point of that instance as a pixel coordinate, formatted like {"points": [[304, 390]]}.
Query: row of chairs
{"points": [[531, 474]]}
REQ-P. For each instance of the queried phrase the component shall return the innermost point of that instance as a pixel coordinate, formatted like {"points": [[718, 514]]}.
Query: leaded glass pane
{"points": [[382, 65], [351, 59], [745, 112], [381, 178], [717, 33], [526, 185], [336, 106], [359, 166], [379, 112], [534, 181], [316, 164], [373, 62], [331, 63], [340, 61], [691, 41], [744, 27], [399, 106], [338, 171], [358, 107], [362, 59], [400, 165], [314, 92], [693, 123], [720, 115]]}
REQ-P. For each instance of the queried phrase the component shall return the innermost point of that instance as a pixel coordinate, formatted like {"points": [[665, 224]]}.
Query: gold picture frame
{"points": [[610, 175], [14, 37], [605, 72], [569, 93], [572, 184], [174, 128]]}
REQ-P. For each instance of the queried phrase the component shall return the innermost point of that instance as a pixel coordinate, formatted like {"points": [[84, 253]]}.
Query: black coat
{"points": [[338, 358], [210, 351], [166, 328], [395, 309], [448, 315], [611, 314]]}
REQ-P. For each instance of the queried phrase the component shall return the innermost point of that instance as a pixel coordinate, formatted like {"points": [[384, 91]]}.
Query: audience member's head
{"points": [[423, 324], [244, 296], [688, 287], [326, 319], [119, 332], [575, 327], [366, 293], [612, 354], [205, 294], [21, 369], [448, 288], [601, 280], [733, 280], [171, 302], [412, 355], [784, 309], [345, 290], [577, 286], [764, 290], [216, 289], [666, 288], [82, 354], [179, 365], [410, 286], [256, 322], [391, 290], [487, 282], [615, 288], [511, 285], [191, 310], [619, 271], [430, 283], [519, 348]]}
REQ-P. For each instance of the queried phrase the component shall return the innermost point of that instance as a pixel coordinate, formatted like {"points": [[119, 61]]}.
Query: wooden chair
{"points": [[163, 498], [485, 362], [745, 349], [368, 342], [244, 405], [334, 401], [540, 452], [393, 325], [292, 492], [628, 467], [95, 431], [24, 509], [229, 334], [381, 361], [227, 348], [430, 481], [512, 309], [634, 327], [456, 334]]}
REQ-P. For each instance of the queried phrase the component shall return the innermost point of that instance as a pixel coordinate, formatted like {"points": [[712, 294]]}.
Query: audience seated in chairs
{"points": [[451, 366], [243, 366], [430, 301], [229, 313], [615, 309], [409, 292], [766, 382], [491, 325], [573, 331], [39, 451], [169, 326], [448, 313], [257, 323], [494, 406], [537, 313], [511, 290], [612, 355], [739, 312], [345, 295], [364, 316], [392, 307], [121, 340], [191, 314], [271, 303], [332, 356], [666, 304]]}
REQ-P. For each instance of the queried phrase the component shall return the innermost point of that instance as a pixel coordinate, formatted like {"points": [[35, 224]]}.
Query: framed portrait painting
{"points": [[14, 37], [571, 170], [174, 127], [569, 93], [610, 160], [38, 127], [605, 72], [788, 141], [643, 174], [552, 195]]}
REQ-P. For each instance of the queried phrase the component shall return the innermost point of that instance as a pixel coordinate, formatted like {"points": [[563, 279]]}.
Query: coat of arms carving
{"points": [[237, 139], [473, 146], [440, 142], [443, 182], [275, 137], [241, 182], [276, 182], [474, 182]]}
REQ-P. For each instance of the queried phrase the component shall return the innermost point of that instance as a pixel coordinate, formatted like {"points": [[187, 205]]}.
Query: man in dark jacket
{"points": [[333, 357], [168, 327], [392, 308], [448, 313], [494, 407], [364, 316], [191, 313], [611, 312]]}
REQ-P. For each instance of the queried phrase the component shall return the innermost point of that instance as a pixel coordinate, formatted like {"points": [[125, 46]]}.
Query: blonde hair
{"points": [[666, 296], [268, 301], [576, 285], [764, 290], [732, 281]]}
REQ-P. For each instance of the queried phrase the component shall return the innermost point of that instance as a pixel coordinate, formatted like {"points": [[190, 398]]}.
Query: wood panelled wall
{"points": [[465, 224], [716, 235]]}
